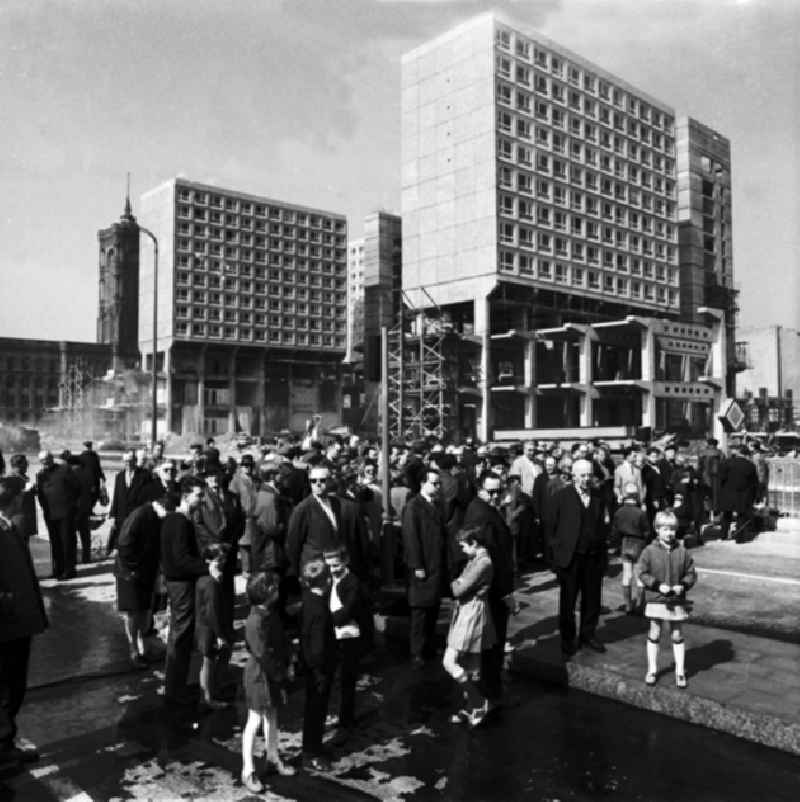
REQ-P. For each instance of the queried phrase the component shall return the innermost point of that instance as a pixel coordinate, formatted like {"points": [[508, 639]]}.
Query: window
{"points": [[525, 209], [506, 260], [544, 269], [524, 156], [504, 66], [504, 94], [544, 241], [523, 75], [525, 237], [525, 264], [524, 183], [504, 121], [507, 233], [561, 273]]}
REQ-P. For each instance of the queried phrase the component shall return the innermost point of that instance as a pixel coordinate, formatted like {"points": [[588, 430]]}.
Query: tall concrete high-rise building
{"points": [[355, 297], [252, 305], [705, 228], [118, 284], [540, 222]]}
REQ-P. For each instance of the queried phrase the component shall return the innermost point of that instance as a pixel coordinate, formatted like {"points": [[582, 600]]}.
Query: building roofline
{"points": [[180, 181], [537, 36]]}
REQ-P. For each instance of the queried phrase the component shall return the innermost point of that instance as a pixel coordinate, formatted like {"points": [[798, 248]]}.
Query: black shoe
{"points": [[568, 650], [25, 754], [593, 643]]}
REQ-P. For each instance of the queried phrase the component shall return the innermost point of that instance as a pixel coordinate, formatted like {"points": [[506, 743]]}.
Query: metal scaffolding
{"points": [[416, 383]]}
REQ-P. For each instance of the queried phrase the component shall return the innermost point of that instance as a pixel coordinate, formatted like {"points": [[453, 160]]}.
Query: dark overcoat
{"points": [[21, 608], [738, 484], [424, 547], [568, 511]]}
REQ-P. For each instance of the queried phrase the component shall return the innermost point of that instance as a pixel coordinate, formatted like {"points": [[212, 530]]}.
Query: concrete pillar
{"points": [[62, 374], [258, 426], [232, 390], [585, 378], [200, 413], [648, 375], [530, 383], [482, 318]]}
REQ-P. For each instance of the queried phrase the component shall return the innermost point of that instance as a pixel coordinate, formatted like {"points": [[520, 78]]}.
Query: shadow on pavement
{"points": [[702, 658]]}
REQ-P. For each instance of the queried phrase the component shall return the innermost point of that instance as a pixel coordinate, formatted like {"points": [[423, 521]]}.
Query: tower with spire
{"points": [[118, 284]]}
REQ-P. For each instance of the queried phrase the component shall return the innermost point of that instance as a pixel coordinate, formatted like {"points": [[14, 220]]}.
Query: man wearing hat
{"points": [[22, 616], [57, 489], [245, 485], [131, 488], [738, 485], [91, 464], [709, 466]]}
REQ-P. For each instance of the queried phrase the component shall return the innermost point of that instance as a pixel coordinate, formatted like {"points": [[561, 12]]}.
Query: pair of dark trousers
{"points": [[492, 658], [85, 534], [349, 653], [584, 576], [423, 630], [181, 637], [62, 545], [314, 713], [14, 656]]}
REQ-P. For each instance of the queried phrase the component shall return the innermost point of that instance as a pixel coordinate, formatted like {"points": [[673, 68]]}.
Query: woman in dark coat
{"points": [[738, 485], [136, 569]]}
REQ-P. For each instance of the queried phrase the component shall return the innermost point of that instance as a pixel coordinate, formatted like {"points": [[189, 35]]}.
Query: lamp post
{"points": [[154, 376]]}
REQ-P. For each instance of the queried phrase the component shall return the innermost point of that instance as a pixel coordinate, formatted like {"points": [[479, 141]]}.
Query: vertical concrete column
{"points": [[232, 390], [200, 409], [168, 423], [257, 425], [648, 374], [530, 382], [482, 318], [289, 382], [585, 378], [719, 368], [62, 374]]}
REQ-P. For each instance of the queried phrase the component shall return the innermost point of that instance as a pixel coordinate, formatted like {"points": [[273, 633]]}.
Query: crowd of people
{"points": [[306, 525]]}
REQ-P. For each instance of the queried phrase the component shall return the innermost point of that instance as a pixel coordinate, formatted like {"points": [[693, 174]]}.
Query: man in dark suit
{"points": [[22, 615], [484, 512], [738, 486], [579, 555], [131, 488], [655, 484], [218, 519], [182, 566], [315, 524], [91, 463], [424, 551], [58, 491]]}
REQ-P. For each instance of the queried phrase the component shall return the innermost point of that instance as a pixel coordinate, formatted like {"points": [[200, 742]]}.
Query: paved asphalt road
{"points": [[109, 738]]}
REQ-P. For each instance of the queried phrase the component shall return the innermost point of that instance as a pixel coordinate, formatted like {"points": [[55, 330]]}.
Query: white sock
{"points": [[679, 653], [652, 657]]}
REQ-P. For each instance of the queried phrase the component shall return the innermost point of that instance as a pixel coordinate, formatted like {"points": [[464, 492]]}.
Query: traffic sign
{"points": [[734, 415]]}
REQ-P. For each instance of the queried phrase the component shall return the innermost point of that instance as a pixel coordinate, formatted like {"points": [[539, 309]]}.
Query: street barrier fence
{"points": [[784, 486]]}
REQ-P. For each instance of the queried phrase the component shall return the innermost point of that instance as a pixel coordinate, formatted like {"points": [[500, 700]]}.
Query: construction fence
{"points": [[784, 486]]}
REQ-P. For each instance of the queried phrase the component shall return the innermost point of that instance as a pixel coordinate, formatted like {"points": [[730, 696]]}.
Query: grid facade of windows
{"points": [[586, 177], [253, 270]]}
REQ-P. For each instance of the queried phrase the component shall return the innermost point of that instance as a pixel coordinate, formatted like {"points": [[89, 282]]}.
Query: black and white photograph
{"points": [[397, 400]]}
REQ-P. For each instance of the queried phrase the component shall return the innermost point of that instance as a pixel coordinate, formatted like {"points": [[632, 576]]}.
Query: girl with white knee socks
{"points": [[471, 628], [666, 570]]}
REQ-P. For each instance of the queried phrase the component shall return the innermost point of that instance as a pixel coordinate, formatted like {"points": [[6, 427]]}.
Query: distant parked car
{"points": [[111, 445]]}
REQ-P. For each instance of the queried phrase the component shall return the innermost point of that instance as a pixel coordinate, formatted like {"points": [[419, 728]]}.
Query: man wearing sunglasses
{"points": [[315, 524]]}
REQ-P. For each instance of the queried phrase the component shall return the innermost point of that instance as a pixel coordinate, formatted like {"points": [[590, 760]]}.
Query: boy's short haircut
{"points": [[665, 518], [261, 587], [472, 534], [631, 490], [213, 551], [337, 554]]}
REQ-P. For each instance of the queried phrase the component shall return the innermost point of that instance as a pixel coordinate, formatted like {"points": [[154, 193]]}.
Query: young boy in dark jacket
{"points": [[630, 527], [318, 644]]}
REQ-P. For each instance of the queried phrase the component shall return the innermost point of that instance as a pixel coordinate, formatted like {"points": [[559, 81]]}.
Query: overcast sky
{"points": [[300, 100]]}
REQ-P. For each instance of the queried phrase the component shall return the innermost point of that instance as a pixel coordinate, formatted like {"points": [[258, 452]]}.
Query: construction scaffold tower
{"points": [[416, 381]]}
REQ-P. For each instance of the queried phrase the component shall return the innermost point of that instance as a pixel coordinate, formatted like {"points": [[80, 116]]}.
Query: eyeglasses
{"points": [[493, 492], [317, 481]]}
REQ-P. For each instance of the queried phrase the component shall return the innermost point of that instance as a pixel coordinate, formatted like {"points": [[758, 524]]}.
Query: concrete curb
{"points": [[761, 728]]}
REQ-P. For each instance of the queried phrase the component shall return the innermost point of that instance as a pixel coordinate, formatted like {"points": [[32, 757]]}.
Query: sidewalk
{"points": [[744, 676], [742, 684]]}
